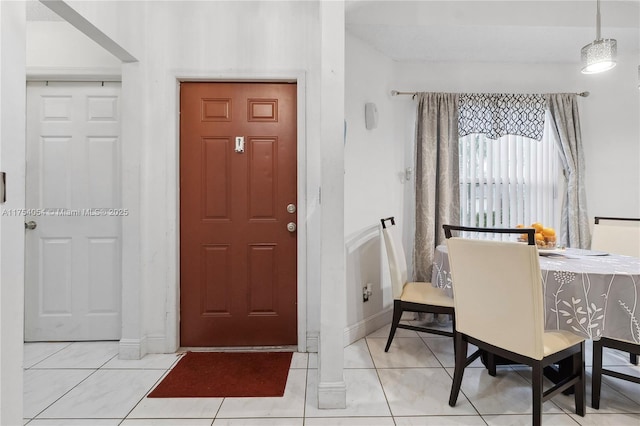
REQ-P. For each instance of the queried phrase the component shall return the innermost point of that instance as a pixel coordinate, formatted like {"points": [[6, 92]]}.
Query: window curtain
{"points": [[437, 176], [500, 114], [574, 223]]}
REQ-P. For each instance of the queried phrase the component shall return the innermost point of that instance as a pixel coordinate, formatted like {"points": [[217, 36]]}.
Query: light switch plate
{"points": [[3, 183]]}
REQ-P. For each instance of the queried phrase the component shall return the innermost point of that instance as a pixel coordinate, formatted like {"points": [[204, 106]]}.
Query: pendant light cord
{"points": [[598, 36]]}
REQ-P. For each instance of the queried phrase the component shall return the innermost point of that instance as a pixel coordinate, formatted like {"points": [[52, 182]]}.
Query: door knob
{"points": [[291, 227], [30, 225]]}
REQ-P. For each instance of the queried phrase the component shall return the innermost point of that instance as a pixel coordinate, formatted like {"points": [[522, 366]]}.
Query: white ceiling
{"points": [[478, 31], [491, 31], [37, 11]]}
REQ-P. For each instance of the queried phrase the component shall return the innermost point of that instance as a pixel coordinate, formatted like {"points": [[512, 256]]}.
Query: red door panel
{"points": [[237, 257]]}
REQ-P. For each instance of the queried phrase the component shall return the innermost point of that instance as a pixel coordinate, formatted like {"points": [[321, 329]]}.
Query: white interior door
{"points": [[73, 255]]}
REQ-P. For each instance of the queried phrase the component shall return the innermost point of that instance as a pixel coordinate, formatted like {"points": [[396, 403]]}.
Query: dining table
{"points": [[590, 293]]}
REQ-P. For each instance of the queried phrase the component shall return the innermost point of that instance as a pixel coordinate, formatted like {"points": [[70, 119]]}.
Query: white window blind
{"points": [[508, 181]]}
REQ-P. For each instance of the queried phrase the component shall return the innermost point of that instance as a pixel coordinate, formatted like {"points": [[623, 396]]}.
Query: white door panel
{"points": [[73, 256]]}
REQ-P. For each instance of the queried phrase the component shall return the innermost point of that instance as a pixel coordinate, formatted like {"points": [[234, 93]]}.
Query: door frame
{"points": [[172, 322]]}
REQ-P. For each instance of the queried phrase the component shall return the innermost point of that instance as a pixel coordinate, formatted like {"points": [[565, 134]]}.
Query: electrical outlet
{"points": [[365, 294]]}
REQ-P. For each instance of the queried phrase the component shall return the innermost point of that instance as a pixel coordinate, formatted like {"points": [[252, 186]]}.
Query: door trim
{"points": [[172, 322], [73, 74]]}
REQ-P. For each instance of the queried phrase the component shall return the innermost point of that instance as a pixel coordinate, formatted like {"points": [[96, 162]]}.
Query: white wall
{"points": [[375, 157], [611, 134], [374, 185], [56, 47]]}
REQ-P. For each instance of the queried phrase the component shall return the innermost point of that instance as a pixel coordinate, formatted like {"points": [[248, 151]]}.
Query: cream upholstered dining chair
{"points": [[619, 235], [410, 296], [497, 294], [616, 235]]}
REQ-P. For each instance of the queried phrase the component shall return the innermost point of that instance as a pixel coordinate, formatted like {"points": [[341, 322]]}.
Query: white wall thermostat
{"points": [[370, 115]]}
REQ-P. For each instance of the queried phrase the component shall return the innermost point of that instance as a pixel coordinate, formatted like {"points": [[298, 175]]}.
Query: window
{"points": [[509, 181]]}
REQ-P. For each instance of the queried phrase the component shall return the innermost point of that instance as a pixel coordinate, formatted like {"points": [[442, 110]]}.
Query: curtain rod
{"points": [[396, 93]]}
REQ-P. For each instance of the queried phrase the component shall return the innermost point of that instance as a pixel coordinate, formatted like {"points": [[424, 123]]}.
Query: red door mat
{"points": [[226, 374]]}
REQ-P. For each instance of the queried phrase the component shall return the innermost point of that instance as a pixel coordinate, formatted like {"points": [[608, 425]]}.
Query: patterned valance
{"points": [[496, 115]]}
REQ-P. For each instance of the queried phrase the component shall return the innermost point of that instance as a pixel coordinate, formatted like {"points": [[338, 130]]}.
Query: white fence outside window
{"points": [[509, 181]]}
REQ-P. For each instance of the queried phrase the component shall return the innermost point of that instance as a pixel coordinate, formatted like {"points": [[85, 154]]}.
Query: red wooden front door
{"points": [[237, 178]]}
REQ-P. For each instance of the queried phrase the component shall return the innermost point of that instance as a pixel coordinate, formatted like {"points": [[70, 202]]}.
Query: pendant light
{"points": [[599, 55]]}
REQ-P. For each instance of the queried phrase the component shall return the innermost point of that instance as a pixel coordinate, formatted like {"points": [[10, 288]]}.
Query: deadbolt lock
{"points": [[291, 208]]}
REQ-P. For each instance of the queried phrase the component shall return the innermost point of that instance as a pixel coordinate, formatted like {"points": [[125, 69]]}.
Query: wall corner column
{"points": [[332, 391], [12, 238], [133, 344]]}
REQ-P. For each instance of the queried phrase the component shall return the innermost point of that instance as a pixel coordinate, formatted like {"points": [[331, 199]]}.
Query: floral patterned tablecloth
{"points": [[590, 293]]}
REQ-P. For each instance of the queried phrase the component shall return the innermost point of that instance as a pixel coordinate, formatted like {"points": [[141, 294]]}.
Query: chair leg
{"points": [[453, 330], [565, 369], [536, 387], [397, 314], [633, 359], [596, 375], [581, 387], [460, 348], [491, 364]]}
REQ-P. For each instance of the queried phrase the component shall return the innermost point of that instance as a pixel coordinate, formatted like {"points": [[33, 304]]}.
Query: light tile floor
{"points": [[85, 384]]}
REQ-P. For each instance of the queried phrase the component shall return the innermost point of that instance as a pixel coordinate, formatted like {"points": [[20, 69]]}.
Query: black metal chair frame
{"points": [[597, 219], [574, 354], [399, 307], [633, 357]]}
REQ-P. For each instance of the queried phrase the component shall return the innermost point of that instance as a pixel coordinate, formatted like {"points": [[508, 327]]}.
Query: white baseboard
{"points": [[157, 344], [367, 326], [332, 395], [357, 331], [312, 342], [132, 348], [138, 348]]}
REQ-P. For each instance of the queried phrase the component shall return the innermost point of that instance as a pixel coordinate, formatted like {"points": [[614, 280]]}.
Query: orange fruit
{"points": [[539, 236], [548, 232], [523, 237], [537, 226]]}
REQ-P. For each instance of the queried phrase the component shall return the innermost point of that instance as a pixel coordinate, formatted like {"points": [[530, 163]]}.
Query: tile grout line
{"points": [[50, 355], [162, 376], [619, 394], [64, 394], [306, 385], [386, 399]]}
